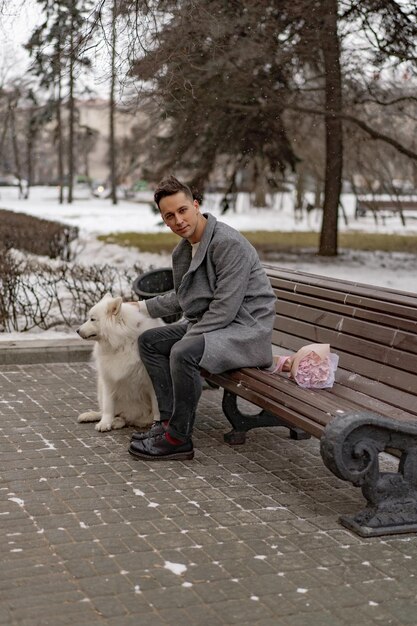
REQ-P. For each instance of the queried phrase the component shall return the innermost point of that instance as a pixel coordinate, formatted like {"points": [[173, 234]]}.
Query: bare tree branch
{"points": [[372, 132]]}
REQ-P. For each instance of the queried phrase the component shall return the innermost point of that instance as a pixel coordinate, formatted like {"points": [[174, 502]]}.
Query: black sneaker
{"points": [[157, 448], [157, 428]]}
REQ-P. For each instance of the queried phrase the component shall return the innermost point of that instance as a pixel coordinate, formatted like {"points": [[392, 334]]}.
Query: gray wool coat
{"points": [[224, 294]]}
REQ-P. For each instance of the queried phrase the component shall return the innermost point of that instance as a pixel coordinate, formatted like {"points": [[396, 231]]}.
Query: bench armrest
{"points": [[350, 448]]}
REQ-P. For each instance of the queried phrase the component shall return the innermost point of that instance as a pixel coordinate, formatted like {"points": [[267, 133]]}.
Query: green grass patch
{"points": [[146, 242], [273, 241], [375, 241]]}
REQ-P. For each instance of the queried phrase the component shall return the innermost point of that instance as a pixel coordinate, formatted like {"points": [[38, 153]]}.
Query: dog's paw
{"points": [[103, 427], [89, 416], [118, 422]]}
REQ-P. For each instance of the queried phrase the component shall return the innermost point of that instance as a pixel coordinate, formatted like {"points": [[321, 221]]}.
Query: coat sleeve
{"points": [[233, 266], [161, 306]]}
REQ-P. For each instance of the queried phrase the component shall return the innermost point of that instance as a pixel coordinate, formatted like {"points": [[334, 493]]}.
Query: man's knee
{"points": [[146, 339], [187, 351]]}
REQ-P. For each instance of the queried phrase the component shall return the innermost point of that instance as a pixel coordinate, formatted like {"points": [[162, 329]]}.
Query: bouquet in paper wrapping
{"points": [[312, 367]]}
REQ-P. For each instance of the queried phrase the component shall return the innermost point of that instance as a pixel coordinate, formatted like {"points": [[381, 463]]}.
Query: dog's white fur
{"points": [[125, 392]]}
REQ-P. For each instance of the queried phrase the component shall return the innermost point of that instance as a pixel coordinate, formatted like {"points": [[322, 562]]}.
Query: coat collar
{"points": [[204, 242], [183, 250], [183, 264]]}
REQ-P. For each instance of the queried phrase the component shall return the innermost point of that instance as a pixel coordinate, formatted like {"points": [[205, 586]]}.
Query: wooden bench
{"points": [[383, 208], [371, 408]]}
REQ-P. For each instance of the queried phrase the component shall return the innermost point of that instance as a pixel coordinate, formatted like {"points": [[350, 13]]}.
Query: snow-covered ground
{"points": [[96, 216], [99, 216]]}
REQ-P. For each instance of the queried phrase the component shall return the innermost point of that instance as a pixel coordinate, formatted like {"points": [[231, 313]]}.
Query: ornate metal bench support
{"points": [[350, 447], [243, 422]]}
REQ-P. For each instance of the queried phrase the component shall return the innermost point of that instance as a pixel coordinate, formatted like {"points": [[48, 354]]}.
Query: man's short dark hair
{"points": [[168, 187]]}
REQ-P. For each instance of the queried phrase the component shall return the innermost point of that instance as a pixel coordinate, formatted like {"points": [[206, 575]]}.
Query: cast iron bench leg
{"points": [[243, 422], [350, 447]]}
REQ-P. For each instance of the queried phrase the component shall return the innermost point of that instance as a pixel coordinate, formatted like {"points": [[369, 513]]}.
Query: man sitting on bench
{"points": [[228, 304]]}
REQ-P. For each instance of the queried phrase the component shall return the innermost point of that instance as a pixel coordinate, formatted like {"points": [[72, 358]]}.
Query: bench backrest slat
{"points": [[346, 322], [299, 279], [348, 345], [368, 301], [356, 313]]}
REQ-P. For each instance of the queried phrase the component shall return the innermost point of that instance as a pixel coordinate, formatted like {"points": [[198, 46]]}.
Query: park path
{"points": [[244, 535]]}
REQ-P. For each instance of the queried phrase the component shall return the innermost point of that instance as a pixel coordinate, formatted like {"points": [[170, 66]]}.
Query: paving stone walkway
{"points": [[244, 535]]}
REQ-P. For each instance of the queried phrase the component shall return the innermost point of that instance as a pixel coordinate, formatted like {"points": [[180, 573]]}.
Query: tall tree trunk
{"points": [[60, 141], [87, 159], [3, 136], [259, 183], [29, 154], [32, 130], [18, 174], [334, 129], [300, 187], [71, 106], [112, 141], [318, 190]]}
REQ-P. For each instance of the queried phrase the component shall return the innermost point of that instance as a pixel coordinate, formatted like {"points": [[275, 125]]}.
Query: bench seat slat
{"points": [[340, 396], [299, 421], [317, 406], [284, 398], [372, 404], [378, 392], [328, 400]]}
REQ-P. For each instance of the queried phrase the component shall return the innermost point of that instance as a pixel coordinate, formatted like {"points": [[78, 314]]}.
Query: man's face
{"points": [[182, 215]]}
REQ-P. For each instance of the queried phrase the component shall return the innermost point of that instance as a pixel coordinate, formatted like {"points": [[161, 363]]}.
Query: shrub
{"points": [[37, 236], [10, 270], [45, 295]]}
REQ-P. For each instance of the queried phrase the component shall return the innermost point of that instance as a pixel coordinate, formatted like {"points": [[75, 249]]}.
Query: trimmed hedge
{"points": [[35, 235]]}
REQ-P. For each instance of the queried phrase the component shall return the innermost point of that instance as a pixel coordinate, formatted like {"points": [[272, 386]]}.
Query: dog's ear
{"points": [[113, 308], [107, 296]]}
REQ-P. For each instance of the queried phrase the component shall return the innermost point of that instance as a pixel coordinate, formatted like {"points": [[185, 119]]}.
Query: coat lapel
{"points": [[184, 265], [204, 243], [181, 258]]}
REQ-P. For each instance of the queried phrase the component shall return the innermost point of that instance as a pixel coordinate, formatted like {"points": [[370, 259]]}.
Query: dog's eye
{"points": [[93, 319]]}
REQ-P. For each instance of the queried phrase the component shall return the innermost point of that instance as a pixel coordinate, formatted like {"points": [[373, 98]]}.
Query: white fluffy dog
{"points": [[125, 392]]}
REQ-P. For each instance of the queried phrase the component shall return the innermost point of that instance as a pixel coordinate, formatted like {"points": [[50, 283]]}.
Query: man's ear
{"points": [[113, 308]]}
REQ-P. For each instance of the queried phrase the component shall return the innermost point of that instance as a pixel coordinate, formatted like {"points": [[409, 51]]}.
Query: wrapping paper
{"points": [[312, 367]]}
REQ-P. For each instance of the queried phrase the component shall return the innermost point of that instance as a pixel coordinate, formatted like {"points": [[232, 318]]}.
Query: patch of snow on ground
{"points": [[175, 568]]}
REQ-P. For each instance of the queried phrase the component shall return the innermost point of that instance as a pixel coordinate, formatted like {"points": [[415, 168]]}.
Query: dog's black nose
{"points": [[78, 331]]}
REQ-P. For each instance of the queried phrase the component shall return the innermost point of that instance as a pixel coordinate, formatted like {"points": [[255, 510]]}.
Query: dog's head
{"points": [[100, 316]]}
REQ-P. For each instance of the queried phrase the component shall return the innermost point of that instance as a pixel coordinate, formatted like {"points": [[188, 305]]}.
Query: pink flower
{"points": [[312, 366], [315, 372]]}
